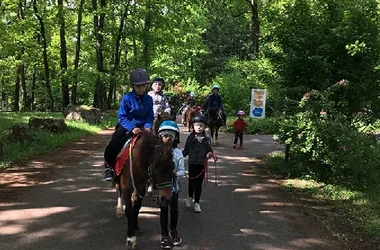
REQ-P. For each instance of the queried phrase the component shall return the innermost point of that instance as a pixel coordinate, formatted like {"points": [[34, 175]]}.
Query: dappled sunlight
{"points": [[241, 159], [306, 242], [241, 190], [31, 213], [251, 232], [278, 204]]}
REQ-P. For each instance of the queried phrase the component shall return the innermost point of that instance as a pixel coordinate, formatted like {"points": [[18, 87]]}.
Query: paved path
{"points": [[57, 201]]}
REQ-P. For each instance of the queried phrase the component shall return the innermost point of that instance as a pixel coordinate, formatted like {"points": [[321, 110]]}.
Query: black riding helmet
{"points": [[200, 118], [159, 79], [139, 77]]}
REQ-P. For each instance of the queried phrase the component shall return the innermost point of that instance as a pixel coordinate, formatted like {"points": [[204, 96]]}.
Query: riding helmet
{"points": [[240, 112], [200, 118], [168, 125], [159, 79], [139, 77], [215, 87]]}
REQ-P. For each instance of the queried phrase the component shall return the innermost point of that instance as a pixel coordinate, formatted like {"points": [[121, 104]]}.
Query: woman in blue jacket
{"points": [[135, 114]]}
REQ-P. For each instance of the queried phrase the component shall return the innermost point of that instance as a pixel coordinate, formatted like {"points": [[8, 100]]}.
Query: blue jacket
{"points": [[214, 101], [136, 111]]}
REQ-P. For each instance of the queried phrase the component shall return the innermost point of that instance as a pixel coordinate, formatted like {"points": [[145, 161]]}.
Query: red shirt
{"points": [[239, 125]]}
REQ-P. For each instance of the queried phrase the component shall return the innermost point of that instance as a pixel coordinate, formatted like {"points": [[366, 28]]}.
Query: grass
{"points": [[362, 208], [42, 142]]}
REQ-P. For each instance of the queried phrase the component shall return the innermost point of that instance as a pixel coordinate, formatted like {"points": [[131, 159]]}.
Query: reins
{"points": [[206, 171]]}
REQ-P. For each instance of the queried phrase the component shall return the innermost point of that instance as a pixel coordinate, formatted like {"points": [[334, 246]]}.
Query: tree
{"points": [[63, 52]]}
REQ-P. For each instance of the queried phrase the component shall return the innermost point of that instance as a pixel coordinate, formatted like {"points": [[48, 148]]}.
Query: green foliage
{"points": [[325, 141], [314, 43], [42, 142]]}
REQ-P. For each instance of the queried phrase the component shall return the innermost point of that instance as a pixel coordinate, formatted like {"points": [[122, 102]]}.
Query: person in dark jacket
{"points": [[135, 114], [214, 100], [198, 148]]}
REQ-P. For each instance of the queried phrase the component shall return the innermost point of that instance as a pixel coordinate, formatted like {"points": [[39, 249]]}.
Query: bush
{"points": [[325, 139]]}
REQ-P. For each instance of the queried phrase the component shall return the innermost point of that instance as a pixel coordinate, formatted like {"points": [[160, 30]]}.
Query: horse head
{"points": [[162, 167], [214, 114]]}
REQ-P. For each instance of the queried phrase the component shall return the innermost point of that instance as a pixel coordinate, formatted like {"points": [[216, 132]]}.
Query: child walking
{"points": [[167, 132], [198, 148], [239, 125]]}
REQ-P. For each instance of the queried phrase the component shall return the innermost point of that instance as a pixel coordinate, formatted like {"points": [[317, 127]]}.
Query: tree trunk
{"points": [[255, 26], [21, 66], [16, 106], [99, 95], [45, 56], [147, 25], [77, 54], [32, 104], [63, 52], [116, 63]]}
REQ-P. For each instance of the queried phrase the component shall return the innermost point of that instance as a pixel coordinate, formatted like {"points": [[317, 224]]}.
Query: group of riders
{"points": [[137, 113]]}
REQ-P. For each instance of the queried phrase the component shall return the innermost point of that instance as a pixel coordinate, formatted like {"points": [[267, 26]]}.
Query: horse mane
{"points": [[158, 152]]}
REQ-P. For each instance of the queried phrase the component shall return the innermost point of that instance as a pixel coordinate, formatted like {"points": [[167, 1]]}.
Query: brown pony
{"points": [[189, 115], [149, 160]]}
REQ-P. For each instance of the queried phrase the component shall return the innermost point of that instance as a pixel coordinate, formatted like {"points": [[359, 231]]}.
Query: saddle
{"points": [[123, 156]]}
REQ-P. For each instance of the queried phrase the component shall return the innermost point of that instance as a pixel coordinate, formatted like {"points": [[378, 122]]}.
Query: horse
{"points": [[175, 104], [149, 160], [189, 115], [215, 121]]}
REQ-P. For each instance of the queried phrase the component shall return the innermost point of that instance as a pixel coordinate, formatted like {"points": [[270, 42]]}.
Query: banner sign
{"points": [[258, 98]]}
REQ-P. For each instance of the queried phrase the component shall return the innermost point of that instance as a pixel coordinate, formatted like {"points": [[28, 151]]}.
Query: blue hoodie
{"points": [[136, 111]]}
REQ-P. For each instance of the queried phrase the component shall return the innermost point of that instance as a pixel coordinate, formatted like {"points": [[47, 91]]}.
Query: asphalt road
{"points": [[58, 201]]}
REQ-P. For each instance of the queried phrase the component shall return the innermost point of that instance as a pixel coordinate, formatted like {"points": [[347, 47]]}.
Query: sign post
{"points": [[258, 99], [3, 105]]}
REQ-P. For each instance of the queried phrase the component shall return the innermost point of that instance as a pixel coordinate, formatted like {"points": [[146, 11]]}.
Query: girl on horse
{"points": [[198, 148], [167, 132], [160, 101], [135, 114]]}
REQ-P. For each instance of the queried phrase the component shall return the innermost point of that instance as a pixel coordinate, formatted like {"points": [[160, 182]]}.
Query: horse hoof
{"points": [[132, 243]]}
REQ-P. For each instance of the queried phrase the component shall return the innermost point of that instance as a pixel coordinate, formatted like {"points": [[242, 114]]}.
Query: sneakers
{"points": [[108, 173], [197, 208], [189, 200], [165, 242], [176, 238]]}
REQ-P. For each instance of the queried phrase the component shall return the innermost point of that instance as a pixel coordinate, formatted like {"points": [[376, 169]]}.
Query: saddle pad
{"points": [[124, 155]]}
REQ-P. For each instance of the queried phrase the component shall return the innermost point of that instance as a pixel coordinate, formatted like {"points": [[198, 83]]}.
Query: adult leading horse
{"points": [[148, 160], [215, 121]]}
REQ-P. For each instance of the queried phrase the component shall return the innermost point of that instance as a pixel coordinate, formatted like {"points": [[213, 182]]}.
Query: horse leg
{"points": [[130, 211], [137, 207], [212, 135], [120, 209]]}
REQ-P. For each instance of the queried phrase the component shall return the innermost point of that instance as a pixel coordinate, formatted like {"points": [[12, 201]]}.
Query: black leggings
{"points": [[195, 185], [117, 142], [238, 135], [164, 214]]}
